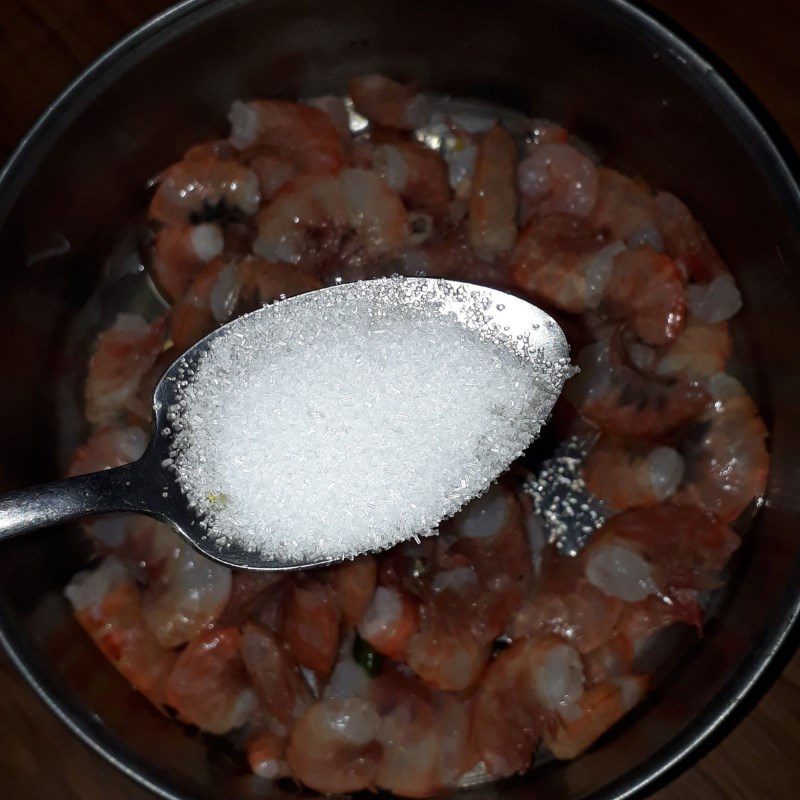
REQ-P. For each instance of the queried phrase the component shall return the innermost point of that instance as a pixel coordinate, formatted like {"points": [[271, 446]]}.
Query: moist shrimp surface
{"points": [[465, 656]]}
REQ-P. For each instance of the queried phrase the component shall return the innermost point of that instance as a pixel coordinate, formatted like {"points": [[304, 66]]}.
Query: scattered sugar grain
{"points": [[330, 427]]}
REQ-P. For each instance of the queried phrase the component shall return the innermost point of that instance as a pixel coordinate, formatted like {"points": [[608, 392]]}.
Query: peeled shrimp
{"points": [[389, 622], [354, 216], [599, 708], [558, 259], [208, 686], [273, 173], [698, 351], [645, 289], [266, 755], [179, 253], [124, 353], [493, 200], [525, 685], [626, 475], [204, 190], [624, 401], [303, 136], [726, 454], [311, 625], [107, 448], [188, 595], [685, 240], [556, 179], [107, 605], [275, 677], [388, 103], [334, 746], [625, 210], [354, 584]]}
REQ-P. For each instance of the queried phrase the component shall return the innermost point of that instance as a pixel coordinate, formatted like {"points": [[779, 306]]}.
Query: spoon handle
{"points": [[117, 489]]}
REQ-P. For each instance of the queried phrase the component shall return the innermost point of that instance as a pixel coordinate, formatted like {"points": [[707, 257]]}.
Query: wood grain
{"points": [[43, 45]]}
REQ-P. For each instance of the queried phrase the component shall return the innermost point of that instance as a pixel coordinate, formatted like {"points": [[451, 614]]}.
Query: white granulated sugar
{"points": [[333, 426]]}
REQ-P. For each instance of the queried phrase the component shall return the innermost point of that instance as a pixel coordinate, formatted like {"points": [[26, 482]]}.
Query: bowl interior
{"points": [[648, 105]]}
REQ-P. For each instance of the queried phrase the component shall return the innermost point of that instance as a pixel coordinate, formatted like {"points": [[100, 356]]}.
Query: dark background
{"points": [[44, 44]]}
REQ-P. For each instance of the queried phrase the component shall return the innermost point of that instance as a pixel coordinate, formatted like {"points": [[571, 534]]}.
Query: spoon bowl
{"points": [[150, 485]]}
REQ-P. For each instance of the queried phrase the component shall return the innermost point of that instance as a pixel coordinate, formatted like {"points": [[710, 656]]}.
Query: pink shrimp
{"points": [[558, 259], [565, 604], [335, 108], [698, 351], [556, 179], [179, 253], [629, 474], [266, 755], [304, 137], [658, 550], [208, 685], [493, 200], [204, 190], [220, 149], [275, 677], [188, 594], [107, 448], [625, 210], [354, 584], [416, 173], [389, 103], [108, 606], [645, 289], [273, 173], [685, 240], [624, 401], [726, 454], [248, 589], [124, 353], [599, 708], [425, 737], [543, 131], [334, 746], [311, 625], [351, 218], [389, 622], [527, 684]]}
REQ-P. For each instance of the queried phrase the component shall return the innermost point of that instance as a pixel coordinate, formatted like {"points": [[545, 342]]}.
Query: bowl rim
{"points": [[777, 643]]}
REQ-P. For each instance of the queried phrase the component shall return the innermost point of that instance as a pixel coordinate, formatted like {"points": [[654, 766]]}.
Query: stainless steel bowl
{"points": [[651, 103]]}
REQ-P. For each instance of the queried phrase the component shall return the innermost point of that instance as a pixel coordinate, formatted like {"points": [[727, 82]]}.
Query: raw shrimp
{"points": [[336, 109], [179, 253], [188, 595], [685, 240], [625, 402], [625, 210], [698, 351], [275, 677], [248, 589], [558, 259], [543, 131], [389, 622], [556, 179], [122, 356], [425, 737], [354, 216], [334, 746], [204, 190], [527, 683], [311, 625], [629, 474], [354, 584], [715, 301], [726, 454], [416, 173], [209, 686], [493, 200], [304, 137], [266, 755], [599, 708], [645, 289], [107, 448], [388, 103], [656, 550], [108, 607], [273, 173]]}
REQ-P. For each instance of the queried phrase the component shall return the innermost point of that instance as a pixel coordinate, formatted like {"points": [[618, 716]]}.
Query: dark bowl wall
{"points": [[638, 95]]}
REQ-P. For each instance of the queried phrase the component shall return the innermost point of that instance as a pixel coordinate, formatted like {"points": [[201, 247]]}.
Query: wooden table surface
{"points": [[43, 44]]}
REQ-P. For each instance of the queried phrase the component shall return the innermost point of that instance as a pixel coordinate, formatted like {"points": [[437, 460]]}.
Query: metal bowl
{"points": [[651, 104]]}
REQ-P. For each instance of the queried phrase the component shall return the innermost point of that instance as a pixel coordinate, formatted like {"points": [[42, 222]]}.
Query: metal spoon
{"points": [[147, 486]]}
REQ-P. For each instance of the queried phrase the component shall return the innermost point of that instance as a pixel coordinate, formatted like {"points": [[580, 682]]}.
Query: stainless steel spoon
{"points": [[148, 487]]}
